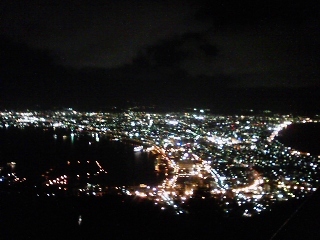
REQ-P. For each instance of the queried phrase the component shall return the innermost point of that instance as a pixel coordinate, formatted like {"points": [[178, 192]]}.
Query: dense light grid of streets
{"points": [[236, 161]]}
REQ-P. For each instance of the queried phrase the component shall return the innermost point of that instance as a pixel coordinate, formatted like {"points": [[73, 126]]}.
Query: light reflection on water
{"points": [[36, 151]]}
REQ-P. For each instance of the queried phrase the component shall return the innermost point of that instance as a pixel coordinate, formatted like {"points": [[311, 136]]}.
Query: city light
{"points": [[230, 159]]}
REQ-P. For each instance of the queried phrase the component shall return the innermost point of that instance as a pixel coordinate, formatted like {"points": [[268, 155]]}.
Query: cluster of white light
{"points": [[62, 180]]}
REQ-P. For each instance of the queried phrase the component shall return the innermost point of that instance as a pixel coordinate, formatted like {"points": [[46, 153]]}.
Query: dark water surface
{"points": [[36, 151], [304, 137]]}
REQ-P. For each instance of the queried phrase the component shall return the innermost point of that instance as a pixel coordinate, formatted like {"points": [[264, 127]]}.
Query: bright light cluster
{"points": [[235, 160]]}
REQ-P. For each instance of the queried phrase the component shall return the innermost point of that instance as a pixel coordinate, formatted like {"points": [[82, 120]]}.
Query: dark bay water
{"points": [[36, 151], [304, 137]]}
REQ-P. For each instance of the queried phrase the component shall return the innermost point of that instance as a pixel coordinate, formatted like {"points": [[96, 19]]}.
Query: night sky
{"points": [[216, 54]]}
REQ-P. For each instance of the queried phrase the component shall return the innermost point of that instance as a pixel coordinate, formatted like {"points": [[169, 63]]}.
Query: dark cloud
{"points": [[45, 83], [101, 34], [29, 75], [18, 58], [223, 13], [173, 52]]}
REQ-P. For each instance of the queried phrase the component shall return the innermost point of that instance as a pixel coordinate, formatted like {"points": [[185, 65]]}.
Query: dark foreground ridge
{"points": [[122, 218]]}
